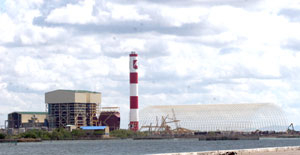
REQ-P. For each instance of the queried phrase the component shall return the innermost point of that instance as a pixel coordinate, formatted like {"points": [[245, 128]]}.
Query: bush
{"points": [[60, 134], [56, 135], [29, 135], [122, 133], [141, 134], [77, 133], [2, 136], [45, 135], [99, 132]]}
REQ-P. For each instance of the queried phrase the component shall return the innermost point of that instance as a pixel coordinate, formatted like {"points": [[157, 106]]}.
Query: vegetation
{"points": [[57, 134], [77, 133], [2, 136], [63, 134], [122, 133], [35, 134]]}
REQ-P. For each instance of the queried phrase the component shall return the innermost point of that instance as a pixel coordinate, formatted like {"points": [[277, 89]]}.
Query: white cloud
{"points": [[7, 28], [258, 27], [80, 13], [178, 16], [87, 12], [132, 45], [126, 12]]}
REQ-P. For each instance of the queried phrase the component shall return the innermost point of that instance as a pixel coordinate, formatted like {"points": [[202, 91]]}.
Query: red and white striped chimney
{"points": [[134, 104]]}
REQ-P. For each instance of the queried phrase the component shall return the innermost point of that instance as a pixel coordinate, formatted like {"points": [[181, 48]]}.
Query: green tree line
{"points": [[57, 134], [123, 133], [62, 134], [2, 136]]}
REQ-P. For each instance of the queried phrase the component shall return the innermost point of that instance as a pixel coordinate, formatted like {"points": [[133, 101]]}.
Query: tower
{"points": [[134, 104]]}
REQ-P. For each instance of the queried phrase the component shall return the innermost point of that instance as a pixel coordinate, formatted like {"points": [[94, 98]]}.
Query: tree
{"points": [[2, 136], [77, 133], [122, 133]]}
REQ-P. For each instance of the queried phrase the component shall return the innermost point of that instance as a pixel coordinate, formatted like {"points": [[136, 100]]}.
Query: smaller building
{"points": [[93, 130], [27, 119], [110, 116]]}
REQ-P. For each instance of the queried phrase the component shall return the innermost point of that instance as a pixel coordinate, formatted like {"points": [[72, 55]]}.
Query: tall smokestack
{"points": [[134, 104]]}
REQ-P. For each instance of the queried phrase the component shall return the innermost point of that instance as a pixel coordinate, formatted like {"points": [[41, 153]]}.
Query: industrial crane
{"points": [[291, 128]]}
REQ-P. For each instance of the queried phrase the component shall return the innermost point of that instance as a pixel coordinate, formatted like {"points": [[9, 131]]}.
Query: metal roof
{"points": [[79, 91], [219, 117], [92, 127], [31, 112]]}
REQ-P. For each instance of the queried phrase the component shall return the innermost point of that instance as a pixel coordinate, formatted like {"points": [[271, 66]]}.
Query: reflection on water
{"points": [[137, 147]]}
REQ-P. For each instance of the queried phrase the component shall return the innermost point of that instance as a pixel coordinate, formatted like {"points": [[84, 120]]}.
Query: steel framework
{"points": [[220, 117], [78, 114]]}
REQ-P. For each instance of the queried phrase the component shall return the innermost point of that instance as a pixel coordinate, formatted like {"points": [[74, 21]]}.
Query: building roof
{"points": [[222, 117], [31, 112], [92, 127], [72, 96], [77, 91]]}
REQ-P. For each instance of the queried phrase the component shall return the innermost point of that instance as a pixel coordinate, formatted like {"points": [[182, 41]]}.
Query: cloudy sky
{"points": [[190, 52]]}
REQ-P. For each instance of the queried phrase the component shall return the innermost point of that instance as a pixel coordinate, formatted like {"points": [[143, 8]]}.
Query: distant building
{"points": [[217, 117], [26, 119], [110, 116], [72, 107]]}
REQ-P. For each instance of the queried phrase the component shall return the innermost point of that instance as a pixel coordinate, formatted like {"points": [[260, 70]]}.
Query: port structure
{"points": [[163, 126], [244, 117]]}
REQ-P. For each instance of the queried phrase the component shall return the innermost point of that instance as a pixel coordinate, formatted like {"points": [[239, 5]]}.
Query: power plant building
{"points": [[218, 117], [72, 107]]}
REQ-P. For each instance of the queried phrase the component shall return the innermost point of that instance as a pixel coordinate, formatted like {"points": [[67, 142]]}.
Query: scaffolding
{"points": [[78, 114], [72, 107]]}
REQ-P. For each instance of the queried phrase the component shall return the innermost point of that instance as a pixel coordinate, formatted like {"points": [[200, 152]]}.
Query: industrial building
{"points": [[110, 116], [216, 117], [26, 119], [72, 107]]}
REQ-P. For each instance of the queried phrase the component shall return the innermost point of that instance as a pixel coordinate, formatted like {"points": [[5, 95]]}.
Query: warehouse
{"points": [[26, 119], [72, 107], [217, 117]]}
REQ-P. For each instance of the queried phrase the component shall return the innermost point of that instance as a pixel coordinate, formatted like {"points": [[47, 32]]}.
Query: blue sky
{"points": [[191, 52], [2, 5]]}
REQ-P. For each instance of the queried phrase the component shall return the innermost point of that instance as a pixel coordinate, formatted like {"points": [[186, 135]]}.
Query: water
{"points": [[137, 147]]}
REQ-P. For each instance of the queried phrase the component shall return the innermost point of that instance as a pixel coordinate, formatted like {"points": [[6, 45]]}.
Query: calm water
{"points": [[136, 147]]}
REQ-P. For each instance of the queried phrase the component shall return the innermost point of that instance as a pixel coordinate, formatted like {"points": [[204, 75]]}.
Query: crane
{"points": [[291, 128]]}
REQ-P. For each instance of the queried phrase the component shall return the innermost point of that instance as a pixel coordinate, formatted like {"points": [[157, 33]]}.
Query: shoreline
{"points": [[29, 140], [292, 150], [25, 140]]}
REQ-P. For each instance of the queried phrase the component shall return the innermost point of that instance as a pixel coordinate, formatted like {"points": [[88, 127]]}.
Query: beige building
{"points": [[26, 119], [72, 107]]}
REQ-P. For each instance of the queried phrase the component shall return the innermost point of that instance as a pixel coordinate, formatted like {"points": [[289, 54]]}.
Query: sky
{"points": [[190, 52]]}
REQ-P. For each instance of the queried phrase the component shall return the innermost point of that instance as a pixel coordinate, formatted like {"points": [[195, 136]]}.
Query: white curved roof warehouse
{"points": [[219, 117]]}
